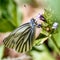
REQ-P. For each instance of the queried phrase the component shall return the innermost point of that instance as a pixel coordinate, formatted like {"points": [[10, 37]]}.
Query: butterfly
{"points": [[22, 38]]}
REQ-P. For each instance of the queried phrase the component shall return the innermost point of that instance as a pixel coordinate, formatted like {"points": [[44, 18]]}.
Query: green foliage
{"points": [[53, 5], [50, 35], [8, 16], [1, 51], [41, 53]]}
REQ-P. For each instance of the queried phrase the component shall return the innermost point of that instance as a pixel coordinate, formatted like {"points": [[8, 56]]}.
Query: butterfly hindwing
{"points": [[26, 41]]}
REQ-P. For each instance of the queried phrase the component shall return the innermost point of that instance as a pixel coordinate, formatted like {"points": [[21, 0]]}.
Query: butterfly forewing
{"points": [[21, 39], [10, 40]]}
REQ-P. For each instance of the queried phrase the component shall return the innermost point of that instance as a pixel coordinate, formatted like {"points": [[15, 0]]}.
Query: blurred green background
{"points": [[11, 18]]}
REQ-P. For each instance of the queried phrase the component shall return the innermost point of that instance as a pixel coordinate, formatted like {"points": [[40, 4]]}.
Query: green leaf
{"points": [[53, 45], [41, 53], [40, 41]]}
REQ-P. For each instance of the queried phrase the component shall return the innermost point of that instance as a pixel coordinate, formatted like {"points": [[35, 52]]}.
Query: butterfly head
{"points": [[34, 23]]}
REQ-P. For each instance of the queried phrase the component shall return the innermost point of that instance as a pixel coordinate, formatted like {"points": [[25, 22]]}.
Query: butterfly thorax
{"points": [[32, 23]]}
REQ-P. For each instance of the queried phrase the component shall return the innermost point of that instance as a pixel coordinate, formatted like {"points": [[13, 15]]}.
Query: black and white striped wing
{"points": [[21, 39]]}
